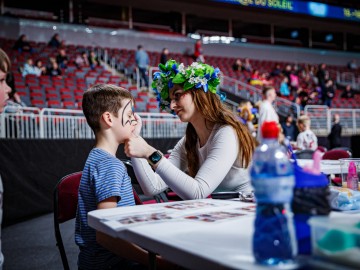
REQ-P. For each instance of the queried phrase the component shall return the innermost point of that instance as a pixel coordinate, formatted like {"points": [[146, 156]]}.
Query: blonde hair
{"points": [[214, 111], [305, 120]]}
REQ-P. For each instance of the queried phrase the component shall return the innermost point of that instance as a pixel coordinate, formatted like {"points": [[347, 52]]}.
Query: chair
{"points": [[65, 205], [335, 154], [304, 154]]}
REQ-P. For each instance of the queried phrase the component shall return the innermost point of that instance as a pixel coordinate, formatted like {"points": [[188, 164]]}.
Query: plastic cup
{"points": [[344, 167]]}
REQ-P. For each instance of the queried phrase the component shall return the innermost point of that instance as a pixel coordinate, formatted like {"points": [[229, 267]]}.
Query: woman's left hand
{"points": [[136, 146]]}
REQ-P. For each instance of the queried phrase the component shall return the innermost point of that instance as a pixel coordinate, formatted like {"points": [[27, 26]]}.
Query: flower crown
{"points": [[195, 76]]}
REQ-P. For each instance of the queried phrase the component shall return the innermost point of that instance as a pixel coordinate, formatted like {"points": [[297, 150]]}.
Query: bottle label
{"points": [[274, 189]]}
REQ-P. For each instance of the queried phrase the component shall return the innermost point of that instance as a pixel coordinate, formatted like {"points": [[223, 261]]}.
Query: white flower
{"points": [[197, 80], [159, 85], [192, 80], [195, 65], [166, 103], [181, 69], [203, 81]]}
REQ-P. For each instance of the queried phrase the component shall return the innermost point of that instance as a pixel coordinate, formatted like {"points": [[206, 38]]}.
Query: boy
{"points": [[105, 182], [306, 138]]}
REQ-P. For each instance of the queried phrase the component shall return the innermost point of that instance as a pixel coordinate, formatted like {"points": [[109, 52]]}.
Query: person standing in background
{"points": [[142, 62], [335, 134], [267, 111], [164, 56], [4, 96]]}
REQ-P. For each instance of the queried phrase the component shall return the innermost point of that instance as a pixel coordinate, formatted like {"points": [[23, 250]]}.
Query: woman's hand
{"points": [[136, 146]]}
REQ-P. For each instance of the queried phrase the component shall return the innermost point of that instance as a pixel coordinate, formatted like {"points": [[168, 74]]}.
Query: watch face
{"points": [[155, 157]]}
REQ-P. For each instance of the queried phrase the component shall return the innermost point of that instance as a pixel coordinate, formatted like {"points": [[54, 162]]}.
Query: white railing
{"points": [[254, 94], [321, 119], [20, 122], [31, 123]]}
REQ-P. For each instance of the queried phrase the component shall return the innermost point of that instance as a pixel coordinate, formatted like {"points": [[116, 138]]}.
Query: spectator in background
{"points": [[164, 56], [29, 68], [266, 110], [93, 60], [306, 138], [142, 62], [247, 66], [302, 98], [284, 87], [55, 41], [335, 134], [255, 78], [287, 72], [237, 66], [62, 59], [22, 45], [198, 52], [54, 70], [246, 115], [329, 92], [321, 77], [4, 96], [348, 92], [276, 71], [289, 128], [82, 60], [352, 65], [40, 68]]}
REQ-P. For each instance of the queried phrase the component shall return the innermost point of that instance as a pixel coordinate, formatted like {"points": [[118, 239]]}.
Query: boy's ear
{"points": [[107, 118]]}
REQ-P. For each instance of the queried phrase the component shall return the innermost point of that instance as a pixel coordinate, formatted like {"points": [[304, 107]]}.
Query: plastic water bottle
{"points": [[272, 177], [352, 180]]}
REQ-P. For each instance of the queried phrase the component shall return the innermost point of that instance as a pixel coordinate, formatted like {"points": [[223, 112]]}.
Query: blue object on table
{"points": [[272, 177]]}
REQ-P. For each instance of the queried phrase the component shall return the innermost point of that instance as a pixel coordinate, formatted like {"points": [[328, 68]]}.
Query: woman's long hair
{"points": [[214, 111]]}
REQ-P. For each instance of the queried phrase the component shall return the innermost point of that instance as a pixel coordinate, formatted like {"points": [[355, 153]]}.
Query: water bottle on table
{"points": [[272, 177]]}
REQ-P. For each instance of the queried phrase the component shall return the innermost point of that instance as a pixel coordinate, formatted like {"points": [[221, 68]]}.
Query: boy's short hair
{"points": [[267, 88], [103, 98], [305, 120], [4, 61]]}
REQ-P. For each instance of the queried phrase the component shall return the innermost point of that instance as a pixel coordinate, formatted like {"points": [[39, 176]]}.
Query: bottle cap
{"points": [[270, 130], [352, 168]]}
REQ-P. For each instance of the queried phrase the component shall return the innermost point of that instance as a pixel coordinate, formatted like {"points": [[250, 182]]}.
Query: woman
{"points": [[217, 149]]}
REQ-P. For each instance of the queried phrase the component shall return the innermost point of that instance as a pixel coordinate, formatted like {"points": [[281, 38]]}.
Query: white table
{"points": [[224, 244], [326, 166]]}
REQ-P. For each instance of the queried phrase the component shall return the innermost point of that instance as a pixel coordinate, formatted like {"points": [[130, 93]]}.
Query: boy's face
{"points": [[125, 121], [4, 90]]}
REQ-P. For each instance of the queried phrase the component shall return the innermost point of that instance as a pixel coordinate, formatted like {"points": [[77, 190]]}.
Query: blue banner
{"points": [[300, 7]]}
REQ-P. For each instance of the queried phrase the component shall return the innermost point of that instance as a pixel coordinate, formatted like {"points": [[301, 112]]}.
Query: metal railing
{"points": [[31, 123], [321, 119], [254, 94]]}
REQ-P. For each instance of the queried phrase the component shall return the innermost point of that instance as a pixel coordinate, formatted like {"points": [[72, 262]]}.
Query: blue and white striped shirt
{"points": [[104, 176]]}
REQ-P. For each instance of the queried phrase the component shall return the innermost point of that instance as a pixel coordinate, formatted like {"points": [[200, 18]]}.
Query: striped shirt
{"points": [[104, 176]]}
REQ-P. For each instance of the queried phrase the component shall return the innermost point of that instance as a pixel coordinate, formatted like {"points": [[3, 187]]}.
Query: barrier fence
{"points": [[31, 123], [321, 119]]}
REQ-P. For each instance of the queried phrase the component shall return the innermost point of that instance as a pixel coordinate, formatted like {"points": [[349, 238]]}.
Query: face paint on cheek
{"points": [[122, 116]]}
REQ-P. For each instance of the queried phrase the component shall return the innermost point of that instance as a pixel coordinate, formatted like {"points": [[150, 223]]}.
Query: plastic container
{"points": [[272, 177], [336, 239], [344, 167]]}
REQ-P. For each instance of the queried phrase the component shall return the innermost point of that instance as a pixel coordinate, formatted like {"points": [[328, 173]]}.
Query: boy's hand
{"points": [[136, 146], [138, 125]]}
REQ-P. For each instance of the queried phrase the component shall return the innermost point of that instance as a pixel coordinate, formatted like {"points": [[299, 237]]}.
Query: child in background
{"points": [[306, 138], [105, 182]]}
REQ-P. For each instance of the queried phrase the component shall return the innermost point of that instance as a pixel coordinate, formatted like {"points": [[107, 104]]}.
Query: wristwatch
{"points": [[155, 157]]}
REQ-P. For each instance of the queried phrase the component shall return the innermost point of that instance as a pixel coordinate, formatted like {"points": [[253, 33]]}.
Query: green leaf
{"points": [[179, 78], [162, 67], [188, 86], [212, 89], [164, 93]]}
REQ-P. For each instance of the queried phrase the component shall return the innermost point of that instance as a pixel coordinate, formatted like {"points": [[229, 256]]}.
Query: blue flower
{"points": [[170, 84], [207, 76], [215, 74], [174, 68], [157, 75]]}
